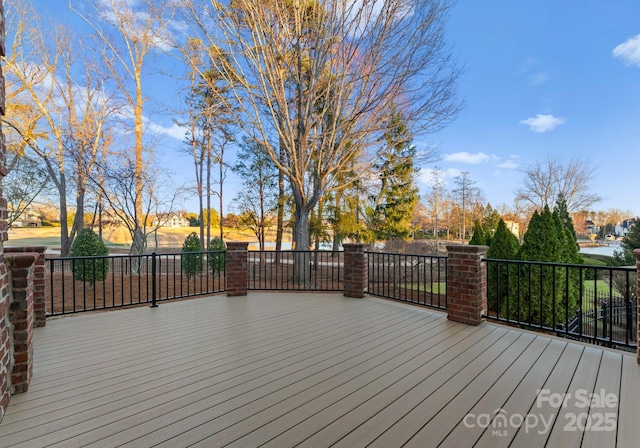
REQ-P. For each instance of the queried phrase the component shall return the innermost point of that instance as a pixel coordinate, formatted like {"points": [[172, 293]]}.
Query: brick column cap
{"points": [[16, 249], [355, 245], [458, 248], [21, 259], [237, 245]]}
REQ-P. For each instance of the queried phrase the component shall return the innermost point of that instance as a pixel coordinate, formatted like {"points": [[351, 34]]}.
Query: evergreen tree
{"points": [[544, 293], [89, 244], [565, 217], [192, 259], [398, 194], [479, 238], [217, 256], [630, 242], [504, 246], [490, 221]]}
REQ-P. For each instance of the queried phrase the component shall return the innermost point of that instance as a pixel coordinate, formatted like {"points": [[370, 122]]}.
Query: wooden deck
{"points": [[314, 370]]}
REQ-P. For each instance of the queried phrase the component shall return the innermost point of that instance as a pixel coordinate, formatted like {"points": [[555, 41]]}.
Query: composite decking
{"points": [[314, 370]]}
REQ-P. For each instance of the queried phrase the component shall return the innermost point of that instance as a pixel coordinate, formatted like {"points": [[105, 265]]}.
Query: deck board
{"points": [[281, 369]]}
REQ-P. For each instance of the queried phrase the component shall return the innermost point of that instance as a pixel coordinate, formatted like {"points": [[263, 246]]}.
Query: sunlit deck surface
{"points": [[316, 370]]}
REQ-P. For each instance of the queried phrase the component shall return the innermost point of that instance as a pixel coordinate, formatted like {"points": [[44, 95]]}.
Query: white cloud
{"points": [[173, 131], [465, 157], [543, 123], [509, 164], [629, 51], [426, 175], [539, 78]]}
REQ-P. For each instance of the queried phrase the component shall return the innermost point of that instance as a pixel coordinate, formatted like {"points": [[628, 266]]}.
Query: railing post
{"points": [[356, 277], [636, 252], [237, 269], [154, 303], [466, 284]]}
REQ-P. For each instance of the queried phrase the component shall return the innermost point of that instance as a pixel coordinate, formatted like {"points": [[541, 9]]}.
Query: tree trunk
{"points": [[221, 166], [301, 272], [337, 237], [138, 136], [138, 247], [280, 212]]}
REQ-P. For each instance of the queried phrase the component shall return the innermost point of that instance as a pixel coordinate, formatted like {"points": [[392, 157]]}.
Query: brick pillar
{"points": [[636, 252], [22, 317], [237, 269], [5, 326], [356, 274], [39, 281], [466, 284]]}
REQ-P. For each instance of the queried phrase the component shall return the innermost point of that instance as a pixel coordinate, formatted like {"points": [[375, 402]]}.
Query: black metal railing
{"points": [[79, 284], [418, 279], [296, 270], [587, 303]]}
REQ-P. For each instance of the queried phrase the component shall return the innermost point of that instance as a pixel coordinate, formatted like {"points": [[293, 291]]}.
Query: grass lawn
{"points": [[435, 287], [118, 239]]}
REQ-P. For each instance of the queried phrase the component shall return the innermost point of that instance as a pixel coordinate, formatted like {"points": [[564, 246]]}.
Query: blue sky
{"points": [[541, 80], [550, 64]]}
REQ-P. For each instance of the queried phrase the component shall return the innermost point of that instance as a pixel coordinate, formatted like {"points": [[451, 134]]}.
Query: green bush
{"points": [[89, 244], [46, 223], [192, 263], [217, 255]]}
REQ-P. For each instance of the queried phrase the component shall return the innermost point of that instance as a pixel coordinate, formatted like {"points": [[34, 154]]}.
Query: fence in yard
{"points": [[592, 304]]}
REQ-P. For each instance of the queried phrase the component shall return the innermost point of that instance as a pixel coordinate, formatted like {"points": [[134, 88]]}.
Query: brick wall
{"points": [[237, 269], [355, 270], [5, 327], [39, 281], [22, 316], [466, 284]]}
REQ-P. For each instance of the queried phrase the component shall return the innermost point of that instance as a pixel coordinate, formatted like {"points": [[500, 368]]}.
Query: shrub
{"points": [[217, 255], [89, 244], [192, 257]]}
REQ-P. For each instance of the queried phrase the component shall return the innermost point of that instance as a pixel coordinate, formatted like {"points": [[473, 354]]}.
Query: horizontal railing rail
{"points": [[78, 284], [418, 279], [596, 304], [277, 270]]}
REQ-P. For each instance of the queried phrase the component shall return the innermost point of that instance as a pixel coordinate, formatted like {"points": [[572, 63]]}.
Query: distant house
{"points": [[169, 220], [514, 227], [28, 218], [622, 228], [590, 227]]}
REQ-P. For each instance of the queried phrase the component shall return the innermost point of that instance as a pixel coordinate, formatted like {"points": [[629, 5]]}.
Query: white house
{"points": [[169, 220]]}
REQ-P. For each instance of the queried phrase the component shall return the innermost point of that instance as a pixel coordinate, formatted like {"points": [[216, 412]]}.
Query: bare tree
{"points": [[318, 79], [435, 200], [46, 70], [22, 185], [467, 195], [120, 192], [140, 27], [545, 180]]}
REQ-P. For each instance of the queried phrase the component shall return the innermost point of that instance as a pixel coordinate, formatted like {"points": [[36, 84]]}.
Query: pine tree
{"points": [[544, 293], [565, 217], [398, 195], [504, 246], [479, 238]]}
